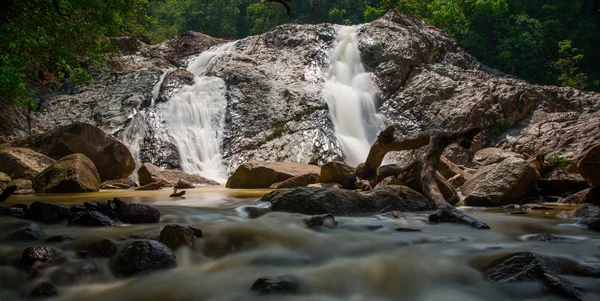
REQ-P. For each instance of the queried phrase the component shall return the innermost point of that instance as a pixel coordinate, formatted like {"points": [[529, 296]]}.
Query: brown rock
{"points": [[589, 165], [175, 236], [118, 184], [391, 180], [298, 181], [385, 171], [73, 173], [154, 185], [493, 155], [183, 184], [23, 163], [338, 172], [111, 157], [264, 174], [560, 182], [23, 186], [507, 182], [590, 195], [326, 185], [150, 173]]}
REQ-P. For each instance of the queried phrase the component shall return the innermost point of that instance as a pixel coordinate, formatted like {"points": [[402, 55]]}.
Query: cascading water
{"points": [[195, 118], [349, 95], [133, 136]]}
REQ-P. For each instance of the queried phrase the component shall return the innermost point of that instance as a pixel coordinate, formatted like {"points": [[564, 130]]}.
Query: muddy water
{"points": [[443, 262]]}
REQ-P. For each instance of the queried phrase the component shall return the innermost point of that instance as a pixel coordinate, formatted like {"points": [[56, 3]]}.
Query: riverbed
{"points": [[357, 261]]}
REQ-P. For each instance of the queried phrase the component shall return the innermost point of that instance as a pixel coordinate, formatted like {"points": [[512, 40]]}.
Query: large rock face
{"points": [[507, 182], [150, 173], [73, 173], [264, 174], [111, 157], [589, 165], [23, 163], [275, 109]]}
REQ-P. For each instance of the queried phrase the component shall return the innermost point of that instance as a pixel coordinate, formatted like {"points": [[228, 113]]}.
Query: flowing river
{"points": [[352, 262]]}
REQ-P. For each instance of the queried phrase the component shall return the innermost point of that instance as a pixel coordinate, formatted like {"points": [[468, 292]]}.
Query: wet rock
{"points": [[526, 266], [298, 181], [107, 208], [594, 224], [406, 229], [518, 213], [284, 284], [587, 211], [197, 232], [71, 271], [491, 155], [111, 157], [175, 236], [29, 232], [265, 174], [509, 181], [183, 184], [118, 184], [44, 289], [559, 182], [391, 180], [143, 257], [154, 185], [136, 213], [590, 195], [23, 163], [48, 213], [59, 238], [536, 207], [91, 219], [102, 248], [314, 201], [544, 237], [13, 211], [70, 174], [589, 165], [389, 215], [38, 253], [326, 221], [150, 173], [410, 176], [338, 172], [78, 208]]}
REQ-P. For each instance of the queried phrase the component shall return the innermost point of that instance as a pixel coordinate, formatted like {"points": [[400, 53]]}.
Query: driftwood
{"points": [[437, 141], [8, 191]]}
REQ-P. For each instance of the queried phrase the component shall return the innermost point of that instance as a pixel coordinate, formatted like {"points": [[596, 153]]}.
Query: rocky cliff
{"points": [[275, 109]]}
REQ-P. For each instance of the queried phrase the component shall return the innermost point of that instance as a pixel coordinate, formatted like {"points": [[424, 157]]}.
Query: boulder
{"points": [[136, 213], [29, 232], [589, 165], [23, 186], [526, 266], [338, 172], [385, 171], [150, 173], [4, 180], [586, 214], [590, 195], [410, 176], [37, 253], [106, 208], [183, 184], [508, 182], [298, 181], [91, 219], [143, 257], [264, 174], [316, 201], [154, 185], [118, 184], [492, 155], [47, 212], [391, 180], [73, 173], [175, 236], [559, 182], [285, 284], [111, 157], [23, 163]]}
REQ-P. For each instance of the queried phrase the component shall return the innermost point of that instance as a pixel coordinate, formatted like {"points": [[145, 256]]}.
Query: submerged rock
{"points": [[314, 201], [91, 219], [175, 236], [265, 174], [70, 174], [38, 253], [48, 213], [326, 221], [102, 248], [154, 185], [111, 157], [143, 257], [29, 232], [44, 289], [136, 213], [23, 163], [150, 173], [284, 284], [544, 237]]}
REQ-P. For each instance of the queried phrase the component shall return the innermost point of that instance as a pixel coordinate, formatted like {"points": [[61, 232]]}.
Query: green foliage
{"points": [[569, 58], [558, 161]]}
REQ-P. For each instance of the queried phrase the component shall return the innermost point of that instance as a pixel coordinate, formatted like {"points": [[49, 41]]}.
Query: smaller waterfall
{"points": [[196, 118], [133, 136], [349, 95], [156, 89]]}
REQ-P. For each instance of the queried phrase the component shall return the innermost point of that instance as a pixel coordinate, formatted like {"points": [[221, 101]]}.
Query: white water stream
{"points": [[196, 118], [349, 95]]}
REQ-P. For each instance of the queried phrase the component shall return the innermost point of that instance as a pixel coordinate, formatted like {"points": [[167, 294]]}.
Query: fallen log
{"points": [[436, 142]]}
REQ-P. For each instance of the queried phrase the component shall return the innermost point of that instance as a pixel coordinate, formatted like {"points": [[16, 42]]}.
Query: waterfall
{"points": [[133, 136], [349, 95], [196, 118]]}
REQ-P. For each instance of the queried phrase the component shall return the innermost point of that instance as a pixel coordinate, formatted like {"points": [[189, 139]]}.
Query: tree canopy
{"points": [[44, 41]]}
